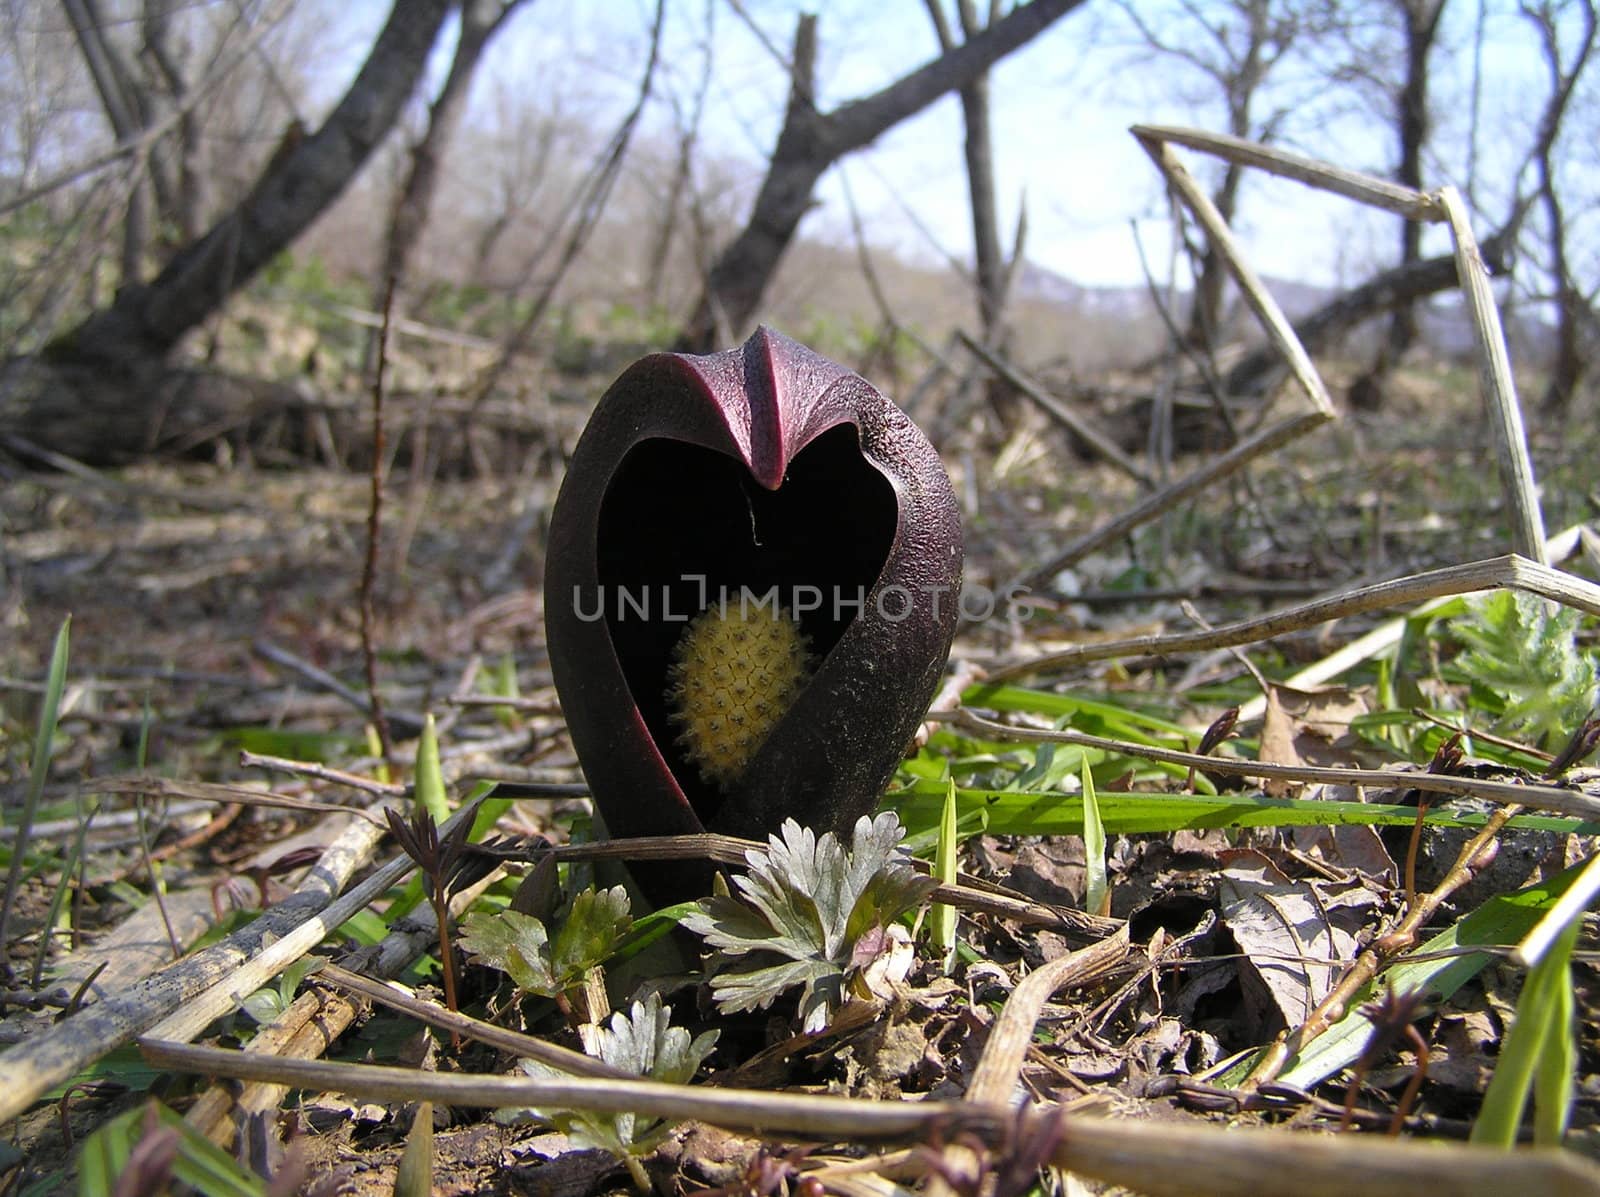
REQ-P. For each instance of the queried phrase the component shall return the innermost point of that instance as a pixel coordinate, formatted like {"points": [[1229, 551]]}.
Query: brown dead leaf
{"points": [[1052, 871], [1300, 727], [1296, 936]]}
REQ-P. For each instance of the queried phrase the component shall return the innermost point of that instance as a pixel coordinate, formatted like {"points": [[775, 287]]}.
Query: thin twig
{"points": [[369, 565], [319, 772], [1508, 572], [1157, 1158], [408, 722], [157, 889], [209, 791]]}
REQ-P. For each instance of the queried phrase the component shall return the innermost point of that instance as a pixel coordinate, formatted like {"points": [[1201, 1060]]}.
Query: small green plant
{"points": [[267, 1004], [644, 1043], [39, 768], [447, 867], [1539, 1057], [1525, 666], [813, 914], [520, 946]]}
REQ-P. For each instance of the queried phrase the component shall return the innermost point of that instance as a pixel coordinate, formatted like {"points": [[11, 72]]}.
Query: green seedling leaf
{"points": [[414, 1176], [942, 916], [430, 792], [156, 1143], [811, 914], [265, 1005], [644, 1043], [514, 943], [592, 929], [1097, 892], [374, 749], [502, 683], [297, 745], [519, 945]]}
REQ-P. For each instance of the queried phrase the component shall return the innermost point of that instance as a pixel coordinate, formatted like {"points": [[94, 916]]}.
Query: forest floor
{"points": [[211, 602]]}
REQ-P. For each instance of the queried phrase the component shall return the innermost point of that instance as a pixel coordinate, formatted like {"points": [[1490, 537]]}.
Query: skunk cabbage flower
{"points": [[752, 582]]}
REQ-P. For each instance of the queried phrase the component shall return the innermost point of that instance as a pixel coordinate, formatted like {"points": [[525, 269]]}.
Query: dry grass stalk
{"points": [[1278, 329], [1508, 572], [1557, 548], [995, 1078], [317, 1018], [1151, 1158], [1499, 391], [1324, 176], [1075, 423], [206, 984]]}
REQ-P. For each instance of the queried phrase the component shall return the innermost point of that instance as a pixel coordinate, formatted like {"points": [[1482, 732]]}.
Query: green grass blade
{"points": [[1555, 1080], [58, 900], [1007, 812], [39, 768], [1500, 1116], [1097, 893], [941, 916], [414, 1177]]}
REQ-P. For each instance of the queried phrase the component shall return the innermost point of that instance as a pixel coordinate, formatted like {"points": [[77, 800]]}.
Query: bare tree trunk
{"points": [[1211, 281], [143, 323], [118, 92], [104, 391], [1574, 314], [183, 176], [812, 141], [1421, 21], [990, 265], [988, 261], [480, 20]]}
